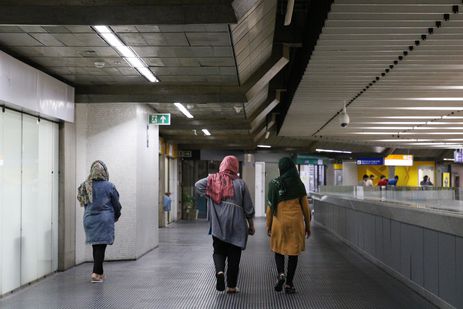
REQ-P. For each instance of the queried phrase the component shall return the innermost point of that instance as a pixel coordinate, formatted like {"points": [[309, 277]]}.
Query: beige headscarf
{"points": [[98, 171]]}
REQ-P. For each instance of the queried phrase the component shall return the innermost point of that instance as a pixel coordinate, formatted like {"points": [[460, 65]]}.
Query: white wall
{"points": [[330, 175], [117, 134], [259, 188], [349, 174], [25, 88], [147, 195], [173, 187]]}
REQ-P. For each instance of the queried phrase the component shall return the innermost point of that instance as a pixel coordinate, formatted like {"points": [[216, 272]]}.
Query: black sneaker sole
{"points": [[220, 285], [279, 285], [290, 290]]}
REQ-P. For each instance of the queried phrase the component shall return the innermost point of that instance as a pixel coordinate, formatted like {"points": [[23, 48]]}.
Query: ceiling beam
{"points": [[265, 129], [264, 75], [194, 124], [158, 94], [116, 12], [262, 115]]}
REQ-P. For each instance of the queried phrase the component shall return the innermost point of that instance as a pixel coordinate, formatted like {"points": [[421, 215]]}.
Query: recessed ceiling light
{"points": [[135, 62], [183, 110], [331, 150], [439, 99], [264, 146], [130, 56]]}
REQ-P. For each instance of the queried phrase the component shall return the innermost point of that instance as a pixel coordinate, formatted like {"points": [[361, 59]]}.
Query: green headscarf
{"points": [[98, 171], [286, 187]]}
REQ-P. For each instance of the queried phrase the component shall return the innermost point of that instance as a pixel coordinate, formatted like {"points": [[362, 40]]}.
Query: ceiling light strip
{"points": [[331, 150], [206, 132], [184, 110], [129, 55]]}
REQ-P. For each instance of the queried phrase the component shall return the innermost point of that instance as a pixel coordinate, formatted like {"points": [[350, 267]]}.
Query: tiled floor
{"points": [[179, 274]]}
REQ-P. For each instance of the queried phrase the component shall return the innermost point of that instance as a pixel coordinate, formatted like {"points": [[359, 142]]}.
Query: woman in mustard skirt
{"points": [[288, 221]]}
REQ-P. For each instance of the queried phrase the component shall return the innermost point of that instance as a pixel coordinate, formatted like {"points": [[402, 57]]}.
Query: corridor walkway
{"points": [[179, 274]]}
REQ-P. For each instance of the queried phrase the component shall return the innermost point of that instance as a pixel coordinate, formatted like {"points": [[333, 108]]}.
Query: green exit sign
{"points": [[160, 119]]}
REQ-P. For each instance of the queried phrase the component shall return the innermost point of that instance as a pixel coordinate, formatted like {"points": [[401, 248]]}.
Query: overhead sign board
{"points": [[160, 119], [185, 153], [370, 161], [398, 160], [309, 161], [458, 156]]}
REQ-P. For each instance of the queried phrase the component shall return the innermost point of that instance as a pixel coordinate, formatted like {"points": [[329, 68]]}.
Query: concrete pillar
{"points": [[67, 196], [349, 174], [391, 171], [249, 174], [162, 190], [330, 175]]}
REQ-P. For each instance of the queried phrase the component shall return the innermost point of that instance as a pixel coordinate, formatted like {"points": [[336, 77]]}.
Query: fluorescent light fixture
{"points": [[330, 150], [135, 62], [449, 159], [452, 117], [453, 99], [126, 51], [408, 128], [184, 110], [112, 39], [130, 56], [446, 87], [102, 29], [409, 117], [404, 133], [206, 132], [267, 134], [392, 122], [426, 108], [430, 140], [264, 146], [148, 74]]}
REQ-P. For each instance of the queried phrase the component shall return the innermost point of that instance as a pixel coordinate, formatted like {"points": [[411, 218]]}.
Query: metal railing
{"points": [[437, 198]]}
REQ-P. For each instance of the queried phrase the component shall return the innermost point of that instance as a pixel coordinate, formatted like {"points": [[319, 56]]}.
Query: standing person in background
{"points": [[230, 212], [366, 182], [288, 221], [426, 181], [167, 204], [394, 181], [372, 180], [102, 209], [382, 181]]}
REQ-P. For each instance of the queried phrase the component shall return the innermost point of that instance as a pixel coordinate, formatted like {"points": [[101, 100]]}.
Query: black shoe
{"points": [[220, 285], [280, 282], [290, 289]]}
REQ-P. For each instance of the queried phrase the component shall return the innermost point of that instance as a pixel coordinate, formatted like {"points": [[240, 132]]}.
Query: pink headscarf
{"points": [[220, 185]]}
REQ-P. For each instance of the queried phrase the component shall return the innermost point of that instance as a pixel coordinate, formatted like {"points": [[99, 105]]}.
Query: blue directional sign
{"points": [[370, 161]]}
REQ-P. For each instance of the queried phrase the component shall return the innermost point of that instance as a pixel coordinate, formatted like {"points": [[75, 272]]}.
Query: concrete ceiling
{"points": [[174, 53], [397, 64], [214, 56]]}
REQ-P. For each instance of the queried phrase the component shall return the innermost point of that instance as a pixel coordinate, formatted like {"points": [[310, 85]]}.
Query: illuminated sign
{"points": [[398, 160], [458, 156], [370, 161]]}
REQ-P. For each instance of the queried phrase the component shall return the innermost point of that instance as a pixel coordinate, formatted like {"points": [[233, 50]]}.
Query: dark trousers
{"points": [[292, 265], [98, 258], [225, 251]]}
